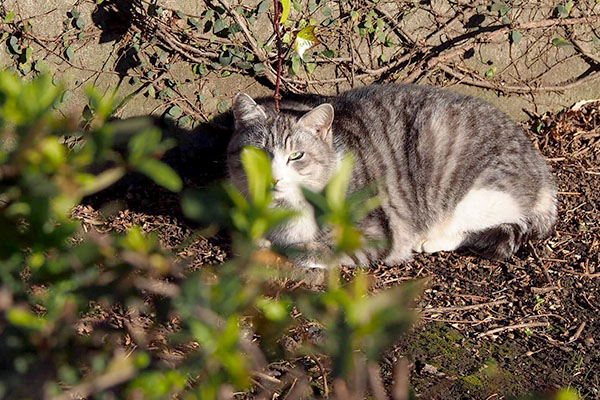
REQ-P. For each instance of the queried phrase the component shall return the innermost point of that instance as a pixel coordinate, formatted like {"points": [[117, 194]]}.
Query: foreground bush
{"points": [[118, 316], [220, 327]]}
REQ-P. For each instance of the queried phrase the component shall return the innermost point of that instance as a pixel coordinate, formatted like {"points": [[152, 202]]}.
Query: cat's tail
{"points": [[501, 241]]}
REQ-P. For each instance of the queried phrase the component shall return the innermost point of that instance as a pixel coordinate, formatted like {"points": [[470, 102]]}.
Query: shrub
{"points": [[169, 333], [220, 327]]}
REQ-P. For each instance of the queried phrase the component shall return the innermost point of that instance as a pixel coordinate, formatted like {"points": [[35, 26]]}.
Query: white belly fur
{"points": [[478, 210]]}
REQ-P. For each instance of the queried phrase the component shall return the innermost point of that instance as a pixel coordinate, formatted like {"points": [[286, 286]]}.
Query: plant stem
{"points": [[276, 25]]}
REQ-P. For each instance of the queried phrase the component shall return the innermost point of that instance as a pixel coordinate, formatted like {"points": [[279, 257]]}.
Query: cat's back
{"points": [[429, 147], [412, 105], [424, 121]]}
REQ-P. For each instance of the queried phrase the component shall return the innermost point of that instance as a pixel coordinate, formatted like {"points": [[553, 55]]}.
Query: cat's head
{"points": [[299, 145]]}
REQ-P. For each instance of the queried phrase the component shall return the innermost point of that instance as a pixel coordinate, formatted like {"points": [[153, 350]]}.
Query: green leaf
{"points": [[339, 183], [285, 11], [199, 69], [515, 36], [223, 106], [567, 394], [263, 6], [257, 165], [259, 68], [569, 6], [184, 121], [25, 67], [316, 199], [9, 17], [219, 25], [160, 173], [13, 45], [28, 54], [562, 10], [275, 310], [66, 96], [305, 40], [87, 113], [69, 53], [79, 23], [25, 319], [490, 73], [41, 66], [504, 10], [144, 144], [328, 53], [565, 10], [175, 111], [310, 67], [225, 58], [93, 184], [296, 64], [560, 42]]}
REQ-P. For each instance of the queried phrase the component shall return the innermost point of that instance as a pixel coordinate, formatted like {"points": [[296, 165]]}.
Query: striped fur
{"points": [[452, 170]]}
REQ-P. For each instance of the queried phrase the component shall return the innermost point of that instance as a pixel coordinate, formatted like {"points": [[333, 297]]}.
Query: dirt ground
{"points": [[488, 330]]}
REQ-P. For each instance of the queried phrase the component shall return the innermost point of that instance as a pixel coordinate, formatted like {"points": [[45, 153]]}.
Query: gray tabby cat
{"points": [[453, 172]]}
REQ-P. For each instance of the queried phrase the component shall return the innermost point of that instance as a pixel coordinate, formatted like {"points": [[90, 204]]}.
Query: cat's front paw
{"points": [[440, 244], [314, 265], [264, 244], [418, 247], [398, 255]]}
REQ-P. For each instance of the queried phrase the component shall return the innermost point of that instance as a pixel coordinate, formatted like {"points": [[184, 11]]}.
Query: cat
{"points": [[452, 171]]}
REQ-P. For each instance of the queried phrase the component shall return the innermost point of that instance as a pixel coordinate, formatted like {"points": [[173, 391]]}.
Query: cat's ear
{"points": [[245, 110], [319, 120]]}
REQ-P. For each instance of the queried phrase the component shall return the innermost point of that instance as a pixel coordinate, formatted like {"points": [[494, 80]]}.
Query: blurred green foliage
{"points": [[69, 300], [58, 283]]}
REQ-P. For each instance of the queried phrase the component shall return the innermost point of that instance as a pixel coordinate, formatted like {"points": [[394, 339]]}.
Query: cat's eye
{"points": [[296, 156]]}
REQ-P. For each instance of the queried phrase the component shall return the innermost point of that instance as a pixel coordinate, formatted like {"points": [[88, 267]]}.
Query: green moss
{"points": [[478, 366], [472, 382], [445, 348], [506, 349]]}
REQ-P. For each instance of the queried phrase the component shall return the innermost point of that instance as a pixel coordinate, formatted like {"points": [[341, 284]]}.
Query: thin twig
{"points": [[517, 89], [579, 45], [514, 327], [462, 308], [375, 381], [277, 26], [323, 374], [578, 333], [401, 388], [256, 49], [494, 32]]}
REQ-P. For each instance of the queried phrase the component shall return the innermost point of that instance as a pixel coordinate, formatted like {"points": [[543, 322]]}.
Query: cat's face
{"points": [[300, 148]]}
